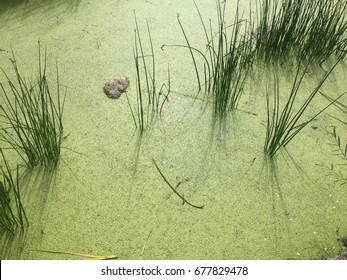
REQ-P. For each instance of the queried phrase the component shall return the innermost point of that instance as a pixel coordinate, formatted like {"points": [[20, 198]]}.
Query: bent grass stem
{"points": [[173, 189]]}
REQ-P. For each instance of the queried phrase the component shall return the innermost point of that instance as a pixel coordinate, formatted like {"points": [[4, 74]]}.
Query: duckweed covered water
{"points": [[106, 196]]}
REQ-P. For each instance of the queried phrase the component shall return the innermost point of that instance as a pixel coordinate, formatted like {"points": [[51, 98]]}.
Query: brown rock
{"points": [[344, 240], [343, 256], [115, 87]]}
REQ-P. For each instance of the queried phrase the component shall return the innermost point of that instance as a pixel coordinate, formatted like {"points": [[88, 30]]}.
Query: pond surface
{"points": [[106, 196]]}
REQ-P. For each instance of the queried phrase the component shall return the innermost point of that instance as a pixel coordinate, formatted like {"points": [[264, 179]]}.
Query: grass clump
{"points": [[226, 60], [291, 29], [12, 213], [32, 116], [149, 98], [283, 123], [327, 33]]}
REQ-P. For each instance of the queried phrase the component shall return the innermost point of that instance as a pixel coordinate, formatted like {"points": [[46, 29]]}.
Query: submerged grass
{"points": [[341, 145], [282, 123], [12, 213], [291, 29], [226, 61], [342, 149], [342, 153], [338, 170], [149, 100], [32, 116]]}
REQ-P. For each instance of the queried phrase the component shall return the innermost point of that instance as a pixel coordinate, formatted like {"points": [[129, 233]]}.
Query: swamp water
{"points": [[107, 198]]}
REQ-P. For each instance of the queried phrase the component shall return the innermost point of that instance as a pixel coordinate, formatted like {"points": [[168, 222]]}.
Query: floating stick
{"points": [[90, 257]]}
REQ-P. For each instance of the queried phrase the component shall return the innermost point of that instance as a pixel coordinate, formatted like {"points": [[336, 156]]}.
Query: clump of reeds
{"points": [[226, 60], [149, 99], [327, 33], [12, 213], [32, 115], [291, 29], [283, 122]]}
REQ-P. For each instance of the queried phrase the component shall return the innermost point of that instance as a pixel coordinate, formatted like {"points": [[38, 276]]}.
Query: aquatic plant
{"points": [[146, 84], [327, 33], [282, 123], [32, 116], [12, 213], [277, 28], [339, 170], [341, 151], [289, 30], [174, 189], [226, 60]]}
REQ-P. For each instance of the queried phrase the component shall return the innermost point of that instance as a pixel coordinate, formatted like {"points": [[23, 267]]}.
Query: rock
{"points": [[115, 87], [344, 240], [343, 256]]}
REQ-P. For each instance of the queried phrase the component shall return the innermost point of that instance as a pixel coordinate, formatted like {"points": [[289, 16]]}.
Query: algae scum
{"points": [[228, 140]]}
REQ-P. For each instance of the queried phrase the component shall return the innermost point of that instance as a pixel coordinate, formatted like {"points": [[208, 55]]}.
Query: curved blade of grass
{"points": [[173, 189]]}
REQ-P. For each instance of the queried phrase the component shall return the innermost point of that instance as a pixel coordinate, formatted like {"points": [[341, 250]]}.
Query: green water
{"points": [[106, 196]]}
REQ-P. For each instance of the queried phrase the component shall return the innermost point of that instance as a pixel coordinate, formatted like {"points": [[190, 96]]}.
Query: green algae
{"points": [[101, 202]]}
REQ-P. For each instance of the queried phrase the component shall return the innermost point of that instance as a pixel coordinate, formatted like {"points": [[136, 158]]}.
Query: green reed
{"points": [[283, 121], [32, 115], [12, 212], [291, 29], [327, 32], [149, 99], [226, 61]]}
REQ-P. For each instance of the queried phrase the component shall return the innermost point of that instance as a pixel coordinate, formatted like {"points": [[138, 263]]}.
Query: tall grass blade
{"points": [[146, 83]]}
